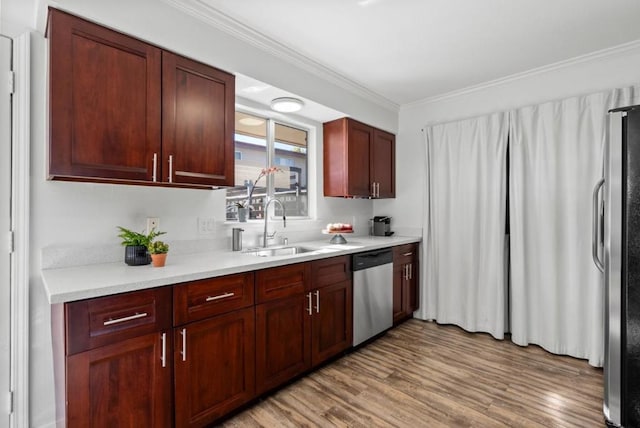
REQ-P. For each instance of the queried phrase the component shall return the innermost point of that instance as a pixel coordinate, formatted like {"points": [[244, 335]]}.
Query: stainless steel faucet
{"points": [[266, 220]]}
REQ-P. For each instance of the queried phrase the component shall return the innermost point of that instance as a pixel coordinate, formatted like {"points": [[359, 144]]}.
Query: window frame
{"points": [[271, 119]]}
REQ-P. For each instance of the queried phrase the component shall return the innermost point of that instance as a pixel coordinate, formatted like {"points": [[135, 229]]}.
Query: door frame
{"points": [[20, 163]]}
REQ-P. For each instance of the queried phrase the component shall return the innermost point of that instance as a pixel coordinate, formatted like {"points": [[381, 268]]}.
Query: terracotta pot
{"points": [[158, 260]]}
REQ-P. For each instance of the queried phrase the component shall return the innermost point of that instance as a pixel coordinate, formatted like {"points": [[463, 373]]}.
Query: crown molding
{"points": [[215, 18], [593, 56]]}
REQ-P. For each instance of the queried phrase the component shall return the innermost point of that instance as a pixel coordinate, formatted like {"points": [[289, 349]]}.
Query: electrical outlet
{"points": [[153, 223], [206, 225]]}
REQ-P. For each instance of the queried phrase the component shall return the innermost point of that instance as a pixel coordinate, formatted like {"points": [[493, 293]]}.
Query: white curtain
{"points": [[557, 294], [464, 234]]}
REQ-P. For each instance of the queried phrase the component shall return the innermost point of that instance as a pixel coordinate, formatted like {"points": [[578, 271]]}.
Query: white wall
{"points": [[85, 214], [592, 74]]}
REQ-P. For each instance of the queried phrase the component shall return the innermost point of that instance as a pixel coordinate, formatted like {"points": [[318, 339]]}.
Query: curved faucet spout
{"points": [[266, 219]]}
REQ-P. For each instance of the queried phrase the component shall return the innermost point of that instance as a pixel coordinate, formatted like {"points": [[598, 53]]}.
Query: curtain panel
{"points": [[556, 291], [464, 236], [557, 294]]}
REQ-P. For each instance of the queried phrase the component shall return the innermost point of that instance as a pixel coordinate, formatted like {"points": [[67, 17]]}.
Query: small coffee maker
{"points": [[381, 226]]}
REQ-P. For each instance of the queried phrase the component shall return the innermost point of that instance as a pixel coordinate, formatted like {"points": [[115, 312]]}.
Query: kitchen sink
{"points": [[277, 251]]}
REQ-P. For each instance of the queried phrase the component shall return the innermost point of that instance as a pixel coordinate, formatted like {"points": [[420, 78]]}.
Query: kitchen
{"points": [[67, 214]]}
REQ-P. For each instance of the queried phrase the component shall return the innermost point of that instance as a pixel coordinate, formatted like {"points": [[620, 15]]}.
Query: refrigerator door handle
{"points": [[595, 221]]}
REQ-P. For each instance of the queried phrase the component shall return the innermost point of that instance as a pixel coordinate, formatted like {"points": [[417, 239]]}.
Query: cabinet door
{"points": [[283, 346], [127, 384], [104, 102], [197, 122], [332, 323], [360, 140], [283, 281], [411, 290], [214, 367], [383, 163], [399, 273]]}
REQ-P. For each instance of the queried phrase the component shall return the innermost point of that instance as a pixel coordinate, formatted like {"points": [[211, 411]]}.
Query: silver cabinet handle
{"points": [[410, 253], [183, 333], [309, 309], [317, 293], [154, 177], [163, 356], [373, 189], [410, 271], [377, 190], [594, 224], [221, 296], [170, 168], [136, 316], [406, 272]]}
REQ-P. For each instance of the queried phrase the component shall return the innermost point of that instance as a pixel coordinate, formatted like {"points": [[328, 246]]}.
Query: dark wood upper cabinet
{"points": [[122, 110], [359, 160], [104, 102], [383, 161], [197, 122]]}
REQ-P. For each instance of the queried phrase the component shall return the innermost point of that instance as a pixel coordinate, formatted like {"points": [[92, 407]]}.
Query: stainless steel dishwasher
{"points": [[372, 294]]}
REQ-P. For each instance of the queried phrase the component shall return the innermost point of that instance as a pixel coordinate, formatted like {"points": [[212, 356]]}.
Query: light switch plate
{"points": [[153, 223], [206, 225]]}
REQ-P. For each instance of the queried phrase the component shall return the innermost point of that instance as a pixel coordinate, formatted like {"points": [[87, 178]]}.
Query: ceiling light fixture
{"points": [[286, 104]]}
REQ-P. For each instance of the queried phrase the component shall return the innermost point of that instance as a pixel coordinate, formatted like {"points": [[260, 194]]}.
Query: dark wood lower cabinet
{"points": [[405, 282], [189, 354], [283, 348], [332, 325], [126, 384], [214, 367]]}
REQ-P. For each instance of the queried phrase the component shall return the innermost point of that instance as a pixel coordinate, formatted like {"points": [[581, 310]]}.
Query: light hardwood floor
{"points": [[421, 374]]}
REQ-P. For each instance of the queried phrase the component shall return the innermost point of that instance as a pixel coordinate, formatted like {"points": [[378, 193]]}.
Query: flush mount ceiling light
{"points": [[286, 104]]}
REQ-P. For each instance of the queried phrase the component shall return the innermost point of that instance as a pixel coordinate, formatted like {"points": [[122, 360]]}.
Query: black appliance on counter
{"points": [[381, 226]]}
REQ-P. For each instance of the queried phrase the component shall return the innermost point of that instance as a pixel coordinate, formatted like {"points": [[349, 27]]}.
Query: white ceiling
{"points": [[410, 50]]}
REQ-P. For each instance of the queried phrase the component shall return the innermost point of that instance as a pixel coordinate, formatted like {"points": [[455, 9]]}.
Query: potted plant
{"points": [[158, 251], [135, 252], [243, 211]]}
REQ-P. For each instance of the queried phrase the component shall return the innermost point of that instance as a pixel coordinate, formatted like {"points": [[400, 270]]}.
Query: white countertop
{"points": [[83, 282]]}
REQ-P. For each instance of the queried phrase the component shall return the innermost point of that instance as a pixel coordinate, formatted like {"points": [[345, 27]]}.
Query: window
{"points": [[238, 155], [285, 148]]}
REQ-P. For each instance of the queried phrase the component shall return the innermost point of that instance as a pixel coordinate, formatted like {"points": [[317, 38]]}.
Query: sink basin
{"points": [[279, 251]]}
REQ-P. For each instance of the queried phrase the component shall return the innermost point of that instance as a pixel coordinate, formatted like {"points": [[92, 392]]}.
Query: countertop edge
{"points": [[68, 284]]}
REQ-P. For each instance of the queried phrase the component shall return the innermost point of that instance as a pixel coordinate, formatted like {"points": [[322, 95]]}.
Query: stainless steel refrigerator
{"points": [[616, 252]]}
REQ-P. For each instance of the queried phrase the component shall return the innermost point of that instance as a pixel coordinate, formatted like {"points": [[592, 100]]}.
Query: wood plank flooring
{"points": [[421, 374]]}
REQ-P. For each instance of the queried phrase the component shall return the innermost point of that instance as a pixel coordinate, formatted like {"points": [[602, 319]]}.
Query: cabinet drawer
{"points": [[405, 253], [330, 271], [104, 320], [283, 281], [198, 300]]}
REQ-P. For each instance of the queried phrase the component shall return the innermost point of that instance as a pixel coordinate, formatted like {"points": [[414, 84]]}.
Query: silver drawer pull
{"points": [[163, 356], [183, 333], [221, 296], [408, 254], [125, 319]]}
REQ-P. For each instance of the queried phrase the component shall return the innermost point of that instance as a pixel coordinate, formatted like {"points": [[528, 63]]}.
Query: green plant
{"points": [[131, 238], [158, 247]]}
